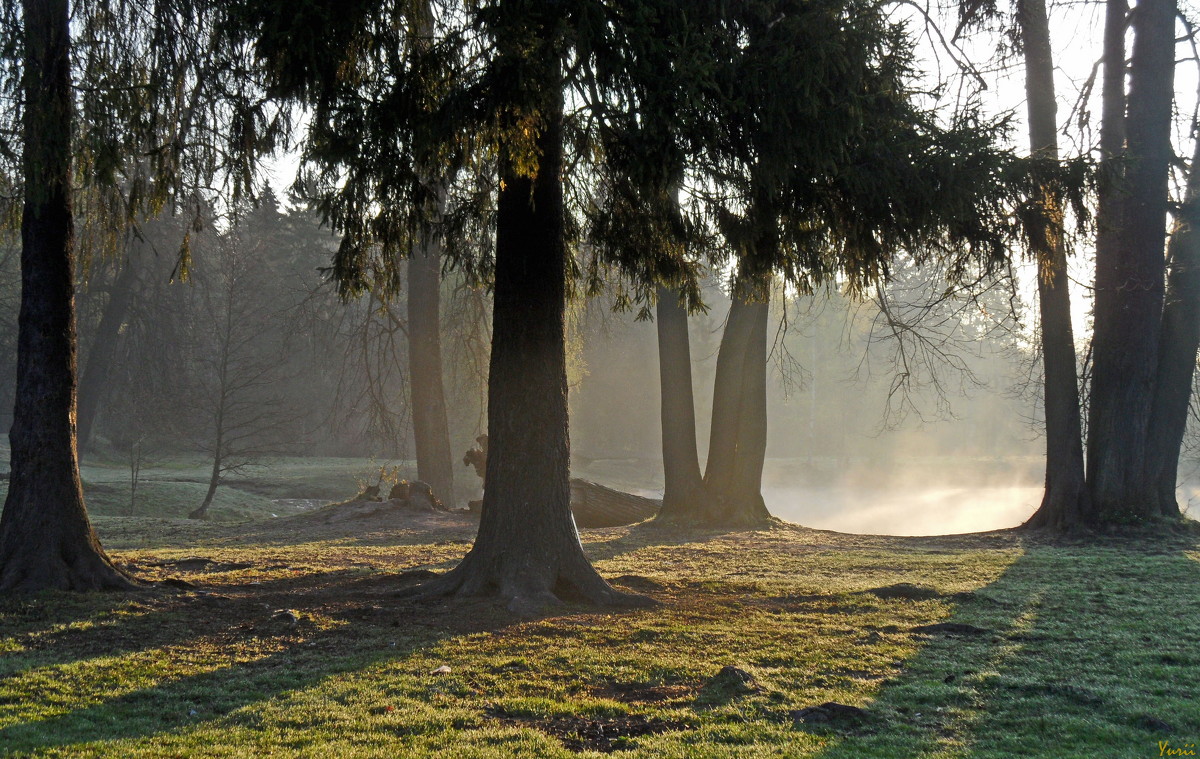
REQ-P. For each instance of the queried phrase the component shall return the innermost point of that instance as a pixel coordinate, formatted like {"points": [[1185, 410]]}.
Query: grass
{"points": [[172, 487], [1082, 650]]}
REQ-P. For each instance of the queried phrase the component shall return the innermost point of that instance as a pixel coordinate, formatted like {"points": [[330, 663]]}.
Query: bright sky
{"points": [[1076, 30]]}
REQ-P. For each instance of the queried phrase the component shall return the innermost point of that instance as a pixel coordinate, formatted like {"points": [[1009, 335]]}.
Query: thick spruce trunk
{"points": [[738, 435], [431, 431], [1179, 339], [46, 539], [683, 483], [1065, 500], [1129, 281], [94, 380], [527, 553]]}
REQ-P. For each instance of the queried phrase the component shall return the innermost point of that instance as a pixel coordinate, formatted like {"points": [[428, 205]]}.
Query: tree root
{"points": [[526, 587], [31, 570]]}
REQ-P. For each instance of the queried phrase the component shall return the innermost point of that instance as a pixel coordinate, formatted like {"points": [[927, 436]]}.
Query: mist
{"points": [[956, 450], [927, 422]]}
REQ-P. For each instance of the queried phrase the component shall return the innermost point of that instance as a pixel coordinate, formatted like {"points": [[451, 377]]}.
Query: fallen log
{"points": [[595, 505]]}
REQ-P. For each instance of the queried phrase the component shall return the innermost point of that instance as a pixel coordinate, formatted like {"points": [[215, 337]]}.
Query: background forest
{"points": [[256, 346]]}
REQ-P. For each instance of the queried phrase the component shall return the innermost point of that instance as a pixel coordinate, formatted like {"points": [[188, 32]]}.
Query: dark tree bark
{"points": [[738, 435], [99, 363], [46, 540], [1129, 281], [430, 428], [527, 552], [1179, 339], [683, 484], [1065, 501]]}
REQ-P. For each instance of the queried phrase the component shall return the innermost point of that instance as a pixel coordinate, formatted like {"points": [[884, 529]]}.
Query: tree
{"points": [[1130, 267], [683, 482], [46, 539], [737, 446], [431, 431], [1065, 501], [527, 551], [384, 110], [729, 492], [1178, 340], [99, 364], [819, 184], [239, 354]]}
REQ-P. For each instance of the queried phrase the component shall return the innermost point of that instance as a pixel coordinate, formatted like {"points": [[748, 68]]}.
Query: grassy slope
{"points": [[172, 488], [1090, 651]]}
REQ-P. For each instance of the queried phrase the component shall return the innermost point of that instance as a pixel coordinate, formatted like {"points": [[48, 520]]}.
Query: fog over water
{"points": [[966, 456], [933, 511]]}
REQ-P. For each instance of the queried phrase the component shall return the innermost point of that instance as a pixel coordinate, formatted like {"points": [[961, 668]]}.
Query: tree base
{"points": [[1065, 507], [527, 586], [60, 565], [702, 508]]}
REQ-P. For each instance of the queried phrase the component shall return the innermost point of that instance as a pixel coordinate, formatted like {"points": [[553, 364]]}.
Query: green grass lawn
{"points": [[172, 487], [1074, 650]]}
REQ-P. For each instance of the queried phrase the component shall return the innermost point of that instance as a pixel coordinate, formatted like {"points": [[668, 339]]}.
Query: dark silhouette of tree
{"points": [[161, 89], [1178, 340], [1130, 275], [683, 481], [1065, 501], [46, 539], [737, 445], [491, 93], [833, 194]]}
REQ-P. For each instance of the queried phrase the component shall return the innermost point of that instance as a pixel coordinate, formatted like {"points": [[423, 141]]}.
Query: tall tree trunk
{"points": [[46, 539], [745, 487], [431, 431], [1064, 503], [1129, 281], [738, 434], [430, 428], [1179, 339], [527, 552], [94, 379], [683, 483]]}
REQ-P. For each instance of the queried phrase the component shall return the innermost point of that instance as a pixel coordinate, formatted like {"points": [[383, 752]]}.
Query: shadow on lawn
{"points": [[294, 655], [1085, 651]]}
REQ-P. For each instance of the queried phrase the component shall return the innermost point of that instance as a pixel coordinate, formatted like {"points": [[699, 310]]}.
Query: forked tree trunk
{"points": [[46, 539], [738, 435], [683, 483], [1179, 339], [527, 552], [1064, 502], [1129, 281], [431, 432], [99, 364]]}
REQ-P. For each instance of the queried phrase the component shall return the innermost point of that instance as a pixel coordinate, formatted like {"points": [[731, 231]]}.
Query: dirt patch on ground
{"points": [[642, 693], [582, 734]]}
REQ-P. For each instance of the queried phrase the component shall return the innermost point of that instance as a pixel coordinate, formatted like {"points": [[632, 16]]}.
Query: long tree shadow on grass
{"points": [[203, 658], [1084, 651], [62, 628]]}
